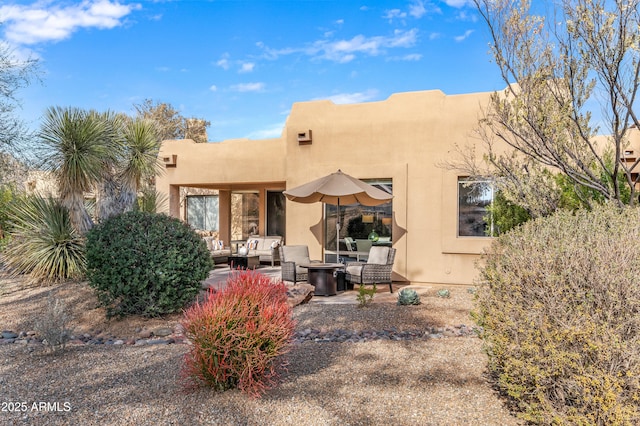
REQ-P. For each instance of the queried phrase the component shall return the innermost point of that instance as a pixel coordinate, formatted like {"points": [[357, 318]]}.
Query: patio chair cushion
{"points": [[213, 244], [378, 255], [209, 242], [354, 268], [297, 254]]}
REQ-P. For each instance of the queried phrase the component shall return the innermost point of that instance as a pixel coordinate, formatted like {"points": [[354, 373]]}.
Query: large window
{"points": [[202, 212], [276, 223], [358, 222], [474, 197], [245, 215]]}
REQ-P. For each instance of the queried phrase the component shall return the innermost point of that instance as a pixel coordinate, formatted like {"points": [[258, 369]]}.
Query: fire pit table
{"points": [[244, 262], [323, 277]]}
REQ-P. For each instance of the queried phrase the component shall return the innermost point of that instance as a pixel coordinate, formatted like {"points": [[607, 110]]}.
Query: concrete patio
{"points": [[219, 275]]}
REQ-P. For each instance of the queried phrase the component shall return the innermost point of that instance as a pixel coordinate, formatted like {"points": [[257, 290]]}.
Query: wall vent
{"points": [[304, 138], [629, 156], [170, 161]]}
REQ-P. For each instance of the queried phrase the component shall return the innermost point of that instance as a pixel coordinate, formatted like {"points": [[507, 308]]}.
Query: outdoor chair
{"points": [[350, 243], [377, 269], [352, 249], [291, 257]]}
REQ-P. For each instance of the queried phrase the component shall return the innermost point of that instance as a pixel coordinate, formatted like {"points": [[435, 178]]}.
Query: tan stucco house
{"points": [[435, 220]]}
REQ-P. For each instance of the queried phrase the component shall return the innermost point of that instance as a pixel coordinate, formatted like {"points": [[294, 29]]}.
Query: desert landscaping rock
{"points": [[383, 364], [8, 335], [162, 332], [306, 335]]}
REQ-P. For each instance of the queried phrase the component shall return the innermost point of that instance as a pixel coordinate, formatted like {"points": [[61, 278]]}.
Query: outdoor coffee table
{"points": [[244, 262], [323, 277]]}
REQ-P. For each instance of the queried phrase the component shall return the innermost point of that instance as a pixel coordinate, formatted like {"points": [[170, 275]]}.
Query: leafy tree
{"points": [[8, 197], [15, 74], [583, 55], [171, 124], [505, 214]]}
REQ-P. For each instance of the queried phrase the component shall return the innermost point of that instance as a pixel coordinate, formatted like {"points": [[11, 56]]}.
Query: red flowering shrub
{"points": [[238, 335]]}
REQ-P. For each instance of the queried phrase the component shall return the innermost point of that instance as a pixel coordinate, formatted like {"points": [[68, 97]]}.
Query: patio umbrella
{"points": [[335, 189]]}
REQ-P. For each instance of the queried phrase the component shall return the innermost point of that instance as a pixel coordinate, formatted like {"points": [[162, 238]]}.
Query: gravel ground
{"points": [[432, 382]]}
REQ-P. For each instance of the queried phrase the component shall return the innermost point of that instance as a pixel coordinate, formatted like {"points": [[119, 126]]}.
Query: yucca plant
{"points": [[151, 201], [140, 161], [44, 245], [79, 146]]}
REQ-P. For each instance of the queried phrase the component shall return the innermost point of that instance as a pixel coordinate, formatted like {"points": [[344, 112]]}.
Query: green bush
{"points": [[559, 310], [8, 198], [43, 243], [238, 335], [145, 264]]}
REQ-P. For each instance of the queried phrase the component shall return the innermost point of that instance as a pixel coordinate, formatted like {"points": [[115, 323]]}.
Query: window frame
{"points": [[208, 221], [489, 227]]}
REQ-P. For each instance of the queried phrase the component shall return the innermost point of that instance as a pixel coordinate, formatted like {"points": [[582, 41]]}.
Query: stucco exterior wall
{"points": [[232, 162], [405, 138]]}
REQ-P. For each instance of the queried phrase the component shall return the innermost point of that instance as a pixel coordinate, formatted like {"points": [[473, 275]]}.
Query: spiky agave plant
{"points": [[408, 296], [44, 245]]}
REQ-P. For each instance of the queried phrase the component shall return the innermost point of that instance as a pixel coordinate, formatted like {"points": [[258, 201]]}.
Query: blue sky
{"points": [[242, 64]]}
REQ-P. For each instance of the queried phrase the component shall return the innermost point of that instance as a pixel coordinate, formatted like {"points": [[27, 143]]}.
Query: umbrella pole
{"points": [[338, 234]]}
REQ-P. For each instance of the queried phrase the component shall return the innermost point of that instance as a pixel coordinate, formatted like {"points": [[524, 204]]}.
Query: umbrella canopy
{"points": [[338, 188]]}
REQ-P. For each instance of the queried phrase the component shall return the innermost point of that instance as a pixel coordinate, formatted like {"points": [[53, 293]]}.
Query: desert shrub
{"points": [[43, 243], [365, 295], [145, 264], [559, 310], [238, 335], [8, 197], [408, 296]]}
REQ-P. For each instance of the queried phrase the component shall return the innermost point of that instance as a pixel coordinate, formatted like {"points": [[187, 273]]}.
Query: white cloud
{"points": [[412, 57], [246, 67], [465, 16], [213, 88], [352, 98], [223, 62], [409, 57], [434, 36], [248, 87], [345, 50], [392, 14], [457, 3], [464, 36], [417, 9], [43, 22]]}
